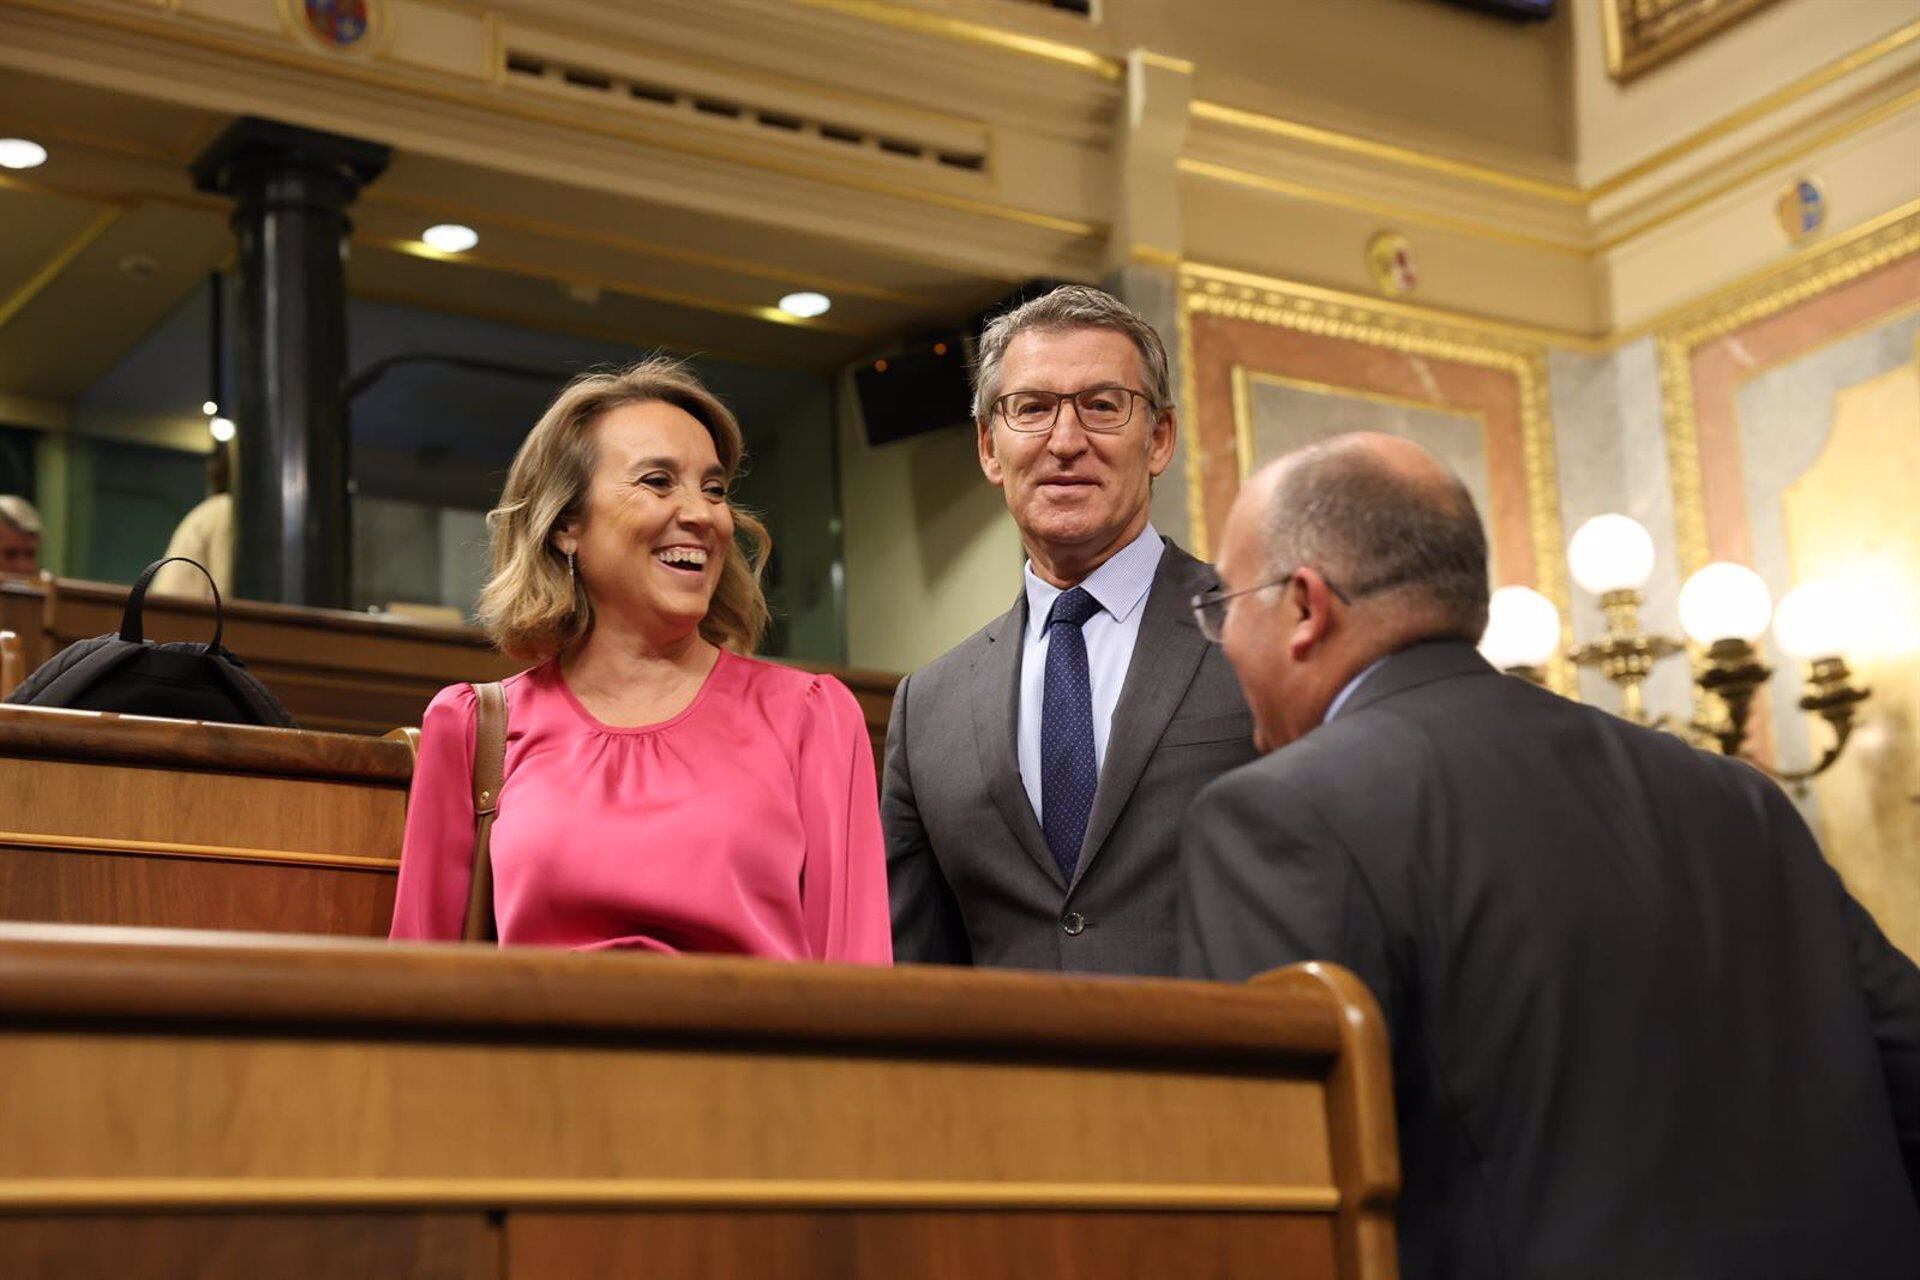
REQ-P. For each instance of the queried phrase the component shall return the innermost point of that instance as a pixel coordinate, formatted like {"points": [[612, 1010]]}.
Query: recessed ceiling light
{"points": [[18, 153], [806, 305], [450, 237], [222, 429]]}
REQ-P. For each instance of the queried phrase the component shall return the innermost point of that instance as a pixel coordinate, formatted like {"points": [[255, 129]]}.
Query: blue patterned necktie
{"points": [[1068, 774]]}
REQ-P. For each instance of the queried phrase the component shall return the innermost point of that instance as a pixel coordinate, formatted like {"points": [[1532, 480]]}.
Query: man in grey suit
{"points": [[1639, 1028], [1036, 773]]}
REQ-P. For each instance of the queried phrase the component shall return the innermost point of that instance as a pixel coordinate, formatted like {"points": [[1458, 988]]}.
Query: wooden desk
{"points": [[128, 820], [249, 1107]]}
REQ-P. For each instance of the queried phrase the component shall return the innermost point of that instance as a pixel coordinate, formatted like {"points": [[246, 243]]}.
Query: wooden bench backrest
{"points": [[573, 1114]]}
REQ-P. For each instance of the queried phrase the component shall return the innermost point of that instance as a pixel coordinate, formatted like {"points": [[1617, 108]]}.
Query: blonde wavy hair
{"points": [[531, 605]]}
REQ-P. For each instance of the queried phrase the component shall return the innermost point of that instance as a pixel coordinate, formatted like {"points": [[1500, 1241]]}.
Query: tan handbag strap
{"points": [[489, 771]]}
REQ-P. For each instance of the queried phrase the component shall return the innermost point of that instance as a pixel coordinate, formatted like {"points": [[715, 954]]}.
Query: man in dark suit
{"points": [[1036, 773], [1639, 1028]]}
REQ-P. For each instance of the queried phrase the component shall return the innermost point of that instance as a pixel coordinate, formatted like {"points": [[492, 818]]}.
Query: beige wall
{"points": [[1617, 125], [1412, 70], [931, 554]]}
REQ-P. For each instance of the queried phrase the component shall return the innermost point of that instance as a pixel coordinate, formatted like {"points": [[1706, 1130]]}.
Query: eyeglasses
{"points": [[1210, 607], [1101, 409]]}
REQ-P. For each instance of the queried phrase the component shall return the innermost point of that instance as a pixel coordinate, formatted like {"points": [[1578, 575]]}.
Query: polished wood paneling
{"points": [[192, 893], [710, 1117], [260, 1246], [924, 1246], [125, 820]]}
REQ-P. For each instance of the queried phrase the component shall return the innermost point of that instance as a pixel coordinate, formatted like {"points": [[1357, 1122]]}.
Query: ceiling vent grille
{"points": [[657, 99]]}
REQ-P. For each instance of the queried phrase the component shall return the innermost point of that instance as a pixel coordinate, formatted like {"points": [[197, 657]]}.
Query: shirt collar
{"points": [[1346, 690], [1120, 584]]}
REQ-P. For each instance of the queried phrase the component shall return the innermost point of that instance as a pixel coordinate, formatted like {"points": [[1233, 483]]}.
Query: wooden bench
{"points": [[127, 820], [184, 1104]]}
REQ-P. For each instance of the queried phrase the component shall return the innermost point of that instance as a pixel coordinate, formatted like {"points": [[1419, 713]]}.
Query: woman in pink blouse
{"points": [[663, 791]]}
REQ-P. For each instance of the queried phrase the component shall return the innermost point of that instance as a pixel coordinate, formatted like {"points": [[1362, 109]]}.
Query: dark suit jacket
{"points": [[971, 878], [1639, 1028]]}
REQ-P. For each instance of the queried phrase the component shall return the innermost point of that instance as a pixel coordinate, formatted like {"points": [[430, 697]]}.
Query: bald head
{"points": [[1381, 518]]}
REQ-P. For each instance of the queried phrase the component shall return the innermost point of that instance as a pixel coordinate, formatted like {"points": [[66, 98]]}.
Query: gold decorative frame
{"points": [[1642, 34], [1238, 296]]}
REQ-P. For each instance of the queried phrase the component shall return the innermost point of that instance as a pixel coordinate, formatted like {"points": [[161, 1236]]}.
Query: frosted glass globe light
{"points": [[1611, 553], [1523, 629], [1814, 620], [1725, 602]]}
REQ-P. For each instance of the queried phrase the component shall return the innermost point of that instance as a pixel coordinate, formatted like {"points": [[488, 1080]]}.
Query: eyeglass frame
{"points": [[999, 410], [1205, 602]]}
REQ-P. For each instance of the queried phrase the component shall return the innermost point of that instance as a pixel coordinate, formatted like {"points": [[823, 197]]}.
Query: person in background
{"points": [[1638, 1026], [664, 791], [205, 535], [19, 535], [1037, 772]]}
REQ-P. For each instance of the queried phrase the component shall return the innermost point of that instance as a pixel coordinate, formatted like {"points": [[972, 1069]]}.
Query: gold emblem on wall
{"points": [[1642, 34], [1802, 208], [1390, 263], [357, 28]]}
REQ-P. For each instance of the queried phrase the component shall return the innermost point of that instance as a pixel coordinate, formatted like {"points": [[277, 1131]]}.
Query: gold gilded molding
{"points": [[979, 33], [522, 1192], [1811, 274], [1409, 157], [1642, 34], [63, 257], [201, 852], [1378, 208], [1411, 332], [1786, 95], [1410, 313], [1545, 188]]}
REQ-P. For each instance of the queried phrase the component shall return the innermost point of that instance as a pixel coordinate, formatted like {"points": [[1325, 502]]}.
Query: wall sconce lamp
{"points": [[1725, 609]]}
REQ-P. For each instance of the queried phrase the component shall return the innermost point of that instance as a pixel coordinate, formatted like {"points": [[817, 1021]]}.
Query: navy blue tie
{"points": [[1068, 774]]}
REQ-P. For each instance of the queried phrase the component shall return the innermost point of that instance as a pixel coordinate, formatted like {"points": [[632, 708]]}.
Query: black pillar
{"points": [[291, 188]]}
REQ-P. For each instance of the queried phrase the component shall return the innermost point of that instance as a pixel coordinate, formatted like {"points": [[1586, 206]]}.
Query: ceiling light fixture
{"points": [[806, 305], [450, 237], [222, 429], [209, 408], [18, 153]]}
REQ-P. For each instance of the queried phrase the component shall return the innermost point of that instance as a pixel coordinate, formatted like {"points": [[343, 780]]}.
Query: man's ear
{"points": [[1312, 603], [1166, 428], [989, 460]]}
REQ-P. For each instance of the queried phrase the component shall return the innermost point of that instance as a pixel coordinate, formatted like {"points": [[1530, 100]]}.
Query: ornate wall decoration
{"points": [[354, 27], [1236, 330], [1642, 34], [1802, 208], [1390, 262]]}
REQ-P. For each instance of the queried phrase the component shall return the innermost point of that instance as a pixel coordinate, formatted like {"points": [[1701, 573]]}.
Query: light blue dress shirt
{"points": [[1120, 585], [1346, 690]]}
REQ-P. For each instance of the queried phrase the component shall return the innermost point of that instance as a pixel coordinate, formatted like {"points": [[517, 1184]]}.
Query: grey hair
{"points": [[19, 513], [1071, 306], [1372, 529]]}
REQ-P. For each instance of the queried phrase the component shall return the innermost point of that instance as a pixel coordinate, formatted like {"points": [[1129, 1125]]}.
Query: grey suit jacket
{"points": [[1639, 1028], [971, 878]]}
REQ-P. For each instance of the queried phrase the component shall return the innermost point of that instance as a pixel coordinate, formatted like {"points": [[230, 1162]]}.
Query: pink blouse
{"points": [[748, 824]]}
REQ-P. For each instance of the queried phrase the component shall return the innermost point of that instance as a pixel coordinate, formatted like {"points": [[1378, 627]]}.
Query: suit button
{"points": [[1074, 923]]}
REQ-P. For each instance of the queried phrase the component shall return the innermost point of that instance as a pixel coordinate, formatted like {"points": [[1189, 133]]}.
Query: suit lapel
{"points": [[1166, 654], [996, 728]]}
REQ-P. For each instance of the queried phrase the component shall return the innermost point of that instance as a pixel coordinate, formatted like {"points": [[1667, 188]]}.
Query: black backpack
{"points": [[127, 673]]}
